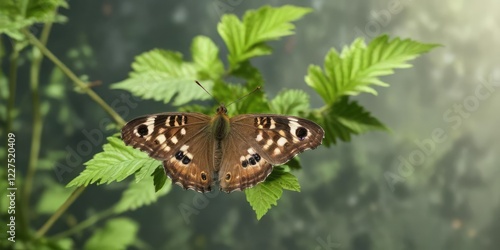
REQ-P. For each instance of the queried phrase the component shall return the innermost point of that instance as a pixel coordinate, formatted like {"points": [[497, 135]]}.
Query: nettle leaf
{"points": [[246, 39], [159, 178], [206, 58], [141, 193], [290, 102], [147, 170], [115, 163], [232, 32], [248, 72], [117, 234], [161, 74], [345, 118], [359, 66], [294, 163], [266, 194]]}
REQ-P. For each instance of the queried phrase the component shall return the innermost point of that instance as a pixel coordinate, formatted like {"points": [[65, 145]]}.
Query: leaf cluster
{"points": [[18, 15], [164, 75]]}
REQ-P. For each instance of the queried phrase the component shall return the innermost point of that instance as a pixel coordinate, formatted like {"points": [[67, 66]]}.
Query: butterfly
{"points": [[198, 150]]}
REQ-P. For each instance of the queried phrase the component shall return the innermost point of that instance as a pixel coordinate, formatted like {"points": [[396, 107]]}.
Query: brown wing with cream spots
{"points": [[182, 141], [257, 142]]}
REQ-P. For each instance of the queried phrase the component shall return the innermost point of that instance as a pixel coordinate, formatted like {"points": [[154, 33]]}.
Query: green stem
{"points": [[37, 120], [85, 224], [79, 83], [59, 212], [12, 86]]}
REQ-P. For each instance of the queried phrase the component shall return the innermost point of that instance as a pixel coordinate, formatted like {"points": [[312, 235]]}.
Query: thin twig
{"points": [[79, 83], [37, 121], [59, 212], [12, 86], [85, 224]]}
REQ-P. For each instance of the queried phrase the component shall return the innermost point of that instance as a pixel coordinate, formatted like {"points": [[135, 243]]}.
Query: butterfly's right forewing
{"points": [[259, 141], [182, 141]]}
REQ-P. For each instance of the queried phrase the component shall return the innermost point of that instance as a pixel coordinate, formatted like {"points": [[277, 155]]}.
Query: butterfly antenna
{"points": [[239, 99], [199, 84]]}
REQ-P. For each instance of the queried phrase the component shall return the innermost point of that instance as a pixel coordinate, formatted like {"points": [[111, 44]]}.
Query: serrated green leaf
{"points": [[159, 178], [115, 163], [266, 194], [246, 39], [232, 32], [206, 58], [294, 163], [270, 23], [290, 102], [141, 193], [162, 75], [345, 118], [117, 234], [147, 171], [358, 67], [250, 73]]}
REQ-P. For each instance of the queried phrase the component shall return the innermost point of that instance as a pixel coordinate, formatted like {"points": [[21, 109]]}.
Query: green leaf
{"points": [[246, 39], [159, 178], [206, 58], [232, 32], [147, 171], [359, 66], [266, 194], [244, 102], [294, 163], [290, 102], [115, 163], [345, 118], [117, 234], [140, 194], [16, 15], [52, 244], [269, 23], [160, 75]]}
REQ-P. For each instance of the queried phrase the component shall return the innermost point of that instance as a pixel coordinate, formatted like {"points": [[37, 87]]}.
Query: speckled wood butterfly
{"points": [[238, 153]]}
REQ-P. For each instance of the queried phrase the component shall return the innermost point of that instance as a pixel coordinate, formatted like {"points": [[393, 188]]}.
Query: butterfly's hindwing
{"points": [[242, 165], [181, 141]]}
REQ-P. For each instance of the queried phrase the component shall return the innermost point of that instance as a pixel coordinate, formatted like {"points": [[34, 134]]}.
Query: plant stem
{"points": [[59, 212], [37, 120], [85, 224], [12, 86], [79, 83]]}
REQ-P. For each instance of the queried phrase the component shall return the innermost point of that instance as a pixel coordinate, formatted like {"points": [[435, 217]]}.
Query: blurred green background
{"points": [[355, 195]]}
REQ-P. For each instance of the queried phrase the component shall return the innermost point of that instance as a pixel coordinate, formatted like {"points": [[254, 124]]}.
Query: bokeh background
{"points": [[354, 195]]}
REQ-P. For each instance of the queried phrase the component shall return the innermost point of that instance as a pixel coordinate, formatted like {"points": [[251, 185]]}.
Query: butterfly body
{"points": [[238, 152], [220, 124]]}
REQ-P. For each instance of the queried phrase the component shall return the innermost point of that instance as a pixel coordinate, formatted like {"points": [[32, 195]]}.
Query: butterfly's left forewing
{"points": [[257, 142], [181, 141]]}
